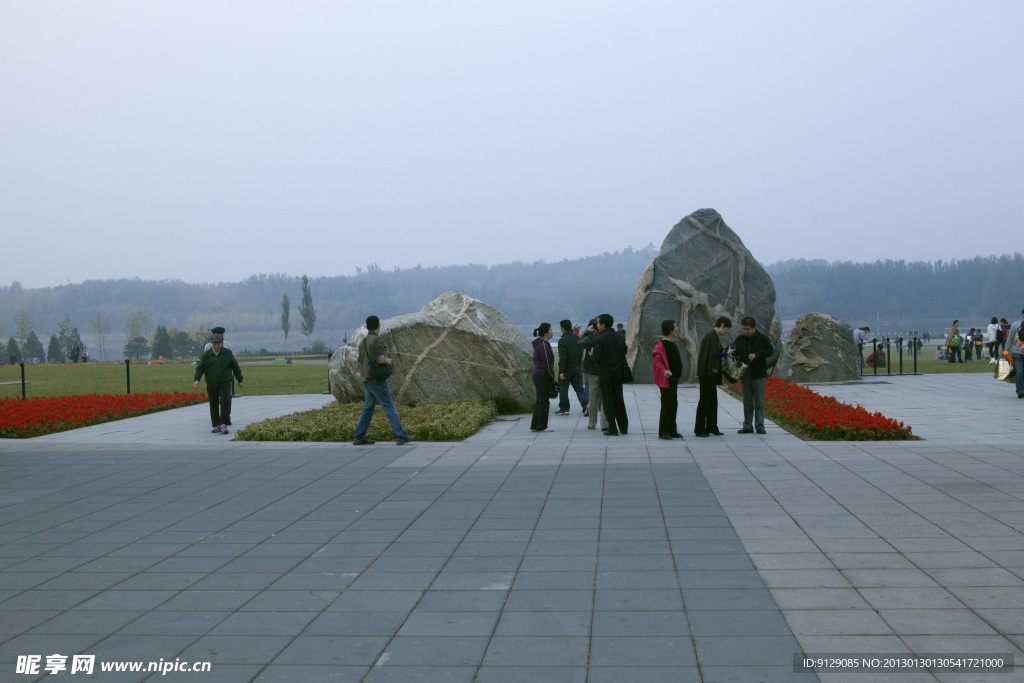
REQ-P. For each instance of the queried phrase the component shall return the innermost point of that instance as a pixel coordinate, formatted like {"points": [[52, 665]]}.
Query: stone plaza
{"points": [[518, 556]]}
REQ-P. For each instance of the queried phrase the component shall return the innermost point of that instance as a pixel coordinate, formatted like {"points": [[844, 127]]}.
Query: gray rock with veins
{"points": [[819, 348], [702, 271], [456, 347]]}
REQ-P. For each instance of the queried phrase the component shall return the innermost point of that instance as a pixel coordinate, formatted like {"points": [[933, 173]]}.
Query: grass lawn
{"points": [[927, 363], [77, 379]]}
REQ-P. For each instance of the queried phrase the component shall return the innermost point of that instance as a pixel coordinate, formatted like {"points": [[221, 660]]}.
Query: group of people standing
{"points": [[997, 337], [594, 364]]}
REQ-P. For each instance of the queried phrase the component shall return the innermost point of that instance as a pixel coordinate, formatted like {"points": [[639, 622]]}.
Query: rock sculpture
{"points": [[820, 348], [702, 271], [457, 347]]}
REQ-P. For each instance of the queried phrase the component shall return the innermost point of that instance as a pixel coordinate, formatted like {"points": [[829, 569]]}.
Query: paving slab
{"points": [[521, 556]]}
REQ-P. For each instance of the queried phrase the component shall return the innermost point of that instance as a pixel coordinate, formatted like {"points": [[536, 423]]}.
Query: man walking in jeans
{"points": [[753, 348], [372, 350]]}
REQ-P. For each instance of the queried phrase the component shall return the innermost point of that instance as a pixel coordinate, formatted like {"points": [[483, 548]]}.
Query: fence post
{"points": [[874, 350], [329, 354], [899, 340], [22, 381], [128, 373]]}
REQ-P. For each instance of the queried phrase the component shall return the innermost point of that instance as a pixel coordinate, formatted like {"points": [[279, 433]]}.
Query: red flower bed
{"points": [[37, 416], [826, 418]]}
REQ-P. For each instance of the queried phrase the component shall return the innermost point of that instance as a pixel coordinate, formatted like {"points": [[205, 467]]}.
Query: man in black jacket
{"points": [[570, 371], [753, 348], [609, 355]]}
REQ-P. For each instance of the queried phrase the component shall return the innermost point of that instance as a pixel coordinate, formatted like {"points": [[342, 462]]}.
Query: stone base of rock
{"points": [[457, 347], [820, 348]]}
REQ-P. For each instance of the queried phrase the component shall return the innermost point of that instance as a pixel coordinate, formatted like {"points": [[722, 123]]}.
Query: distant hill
{"points": [[890, 296]]}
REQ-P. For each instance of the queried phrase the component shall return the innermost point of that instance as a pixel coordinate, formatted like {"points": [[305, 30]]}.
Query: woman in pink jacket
{"points": [[668, 365]]}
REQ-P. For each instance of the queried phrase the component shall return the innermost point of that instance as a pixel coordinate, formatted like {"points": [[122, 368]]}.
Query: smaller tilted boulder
{"points": [[820, 348], [457, 347]]}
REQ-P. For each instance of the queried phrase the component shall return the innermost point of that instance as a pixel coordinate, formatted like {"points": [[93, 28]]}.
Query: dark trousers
{"points": [[542, 383], [614, 404], [573, 376], [707, 407], [220, 403], [669, 408], [953, 352]]}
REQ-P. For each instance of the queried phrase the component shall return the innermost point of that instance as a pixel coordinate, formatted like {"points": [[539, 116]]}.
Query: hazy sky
{"points": [[207, 141]]}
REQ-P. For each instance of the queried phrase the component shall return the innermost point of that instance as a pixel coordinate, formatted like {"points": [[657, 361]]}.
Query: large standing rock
{"points": [[820, 348], [702, 271], [456, 347]]}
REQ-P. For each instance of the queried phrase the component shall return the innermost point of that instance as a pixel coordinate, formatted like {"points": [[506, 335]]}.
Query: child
{"points": [[218, 364]]}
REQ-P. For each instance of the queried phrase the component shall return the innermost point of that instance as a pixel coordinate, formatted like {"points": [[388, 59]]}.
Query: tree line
{"points": [[136, 318]]}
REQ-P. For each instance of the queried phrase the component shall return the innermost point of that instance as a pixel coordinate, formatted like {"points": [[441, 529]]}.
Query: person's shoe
{"points": [[701, 435], [223, 429], [215, 430], [589, 427], [402, 442], [549, 429], [760, 430], [665, 436], [362, 442], [565, 414], [1020, 395], [586, 410], [717, 433], [745, 430], [991, 361], [676, 435], [609, 433]]}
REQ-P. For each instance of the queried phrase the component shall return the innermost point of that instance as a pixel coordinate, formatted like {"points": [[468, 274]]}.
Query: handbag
{"points": [[733, 369], [379, 372], [627, 374], [1005, 372]]}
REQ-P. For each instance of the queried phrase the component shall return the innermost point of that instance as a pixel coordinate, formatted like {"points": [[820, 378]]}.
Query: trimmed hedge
{"points": [[432, 421]]}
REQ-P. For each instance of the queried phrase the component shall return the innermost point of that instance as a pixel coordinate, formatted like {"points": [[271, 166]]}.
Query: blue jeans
{"points": [[1018, 363], [378, 392], [573, 376]]}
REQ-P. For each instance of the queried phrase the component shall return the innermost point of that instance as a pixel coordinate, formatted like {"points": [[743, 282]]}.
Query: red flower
{"points": [[827, 417], [36, 416]]}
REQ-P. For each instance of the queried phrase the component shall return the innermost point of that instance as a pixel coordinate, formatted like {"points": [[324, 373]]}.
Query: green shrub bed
{"points": [[432, 421]]}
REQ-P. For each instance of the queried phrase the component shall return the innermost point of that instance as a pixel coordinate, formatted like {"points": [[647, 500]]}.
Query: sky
{"points": [[209, 141]]}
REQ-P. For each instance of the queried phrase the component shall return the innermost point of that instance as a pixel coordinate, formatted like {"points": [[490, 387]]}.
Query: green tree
{"points": [[76, 345], [286, 314], [99, 328], [14, 352], [306, 309], [64, 328], [24, 323], [53, 352], [136, 348], [34, 348], [140, 323], [181, 343], [162, 343]]}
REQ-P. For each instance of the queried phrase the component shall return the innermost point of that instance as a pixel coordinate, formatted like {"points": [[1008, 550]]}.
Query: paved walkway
{"points": [[567, 556]]}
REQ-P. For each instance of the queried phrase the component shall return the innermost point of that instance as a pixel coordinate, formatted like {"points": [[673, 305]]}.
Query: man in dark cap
{"points": [[218, 364]]}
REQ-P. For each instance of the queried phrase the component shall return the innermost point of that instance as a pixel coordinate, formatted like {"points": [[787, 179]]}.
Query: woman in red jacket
{"points": [[668, 365]]}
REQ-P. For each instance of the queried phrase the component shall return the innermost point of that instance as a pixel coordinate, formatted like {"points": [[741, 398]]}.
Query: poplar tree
{"points": [[286, 314], [306, 309]]}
